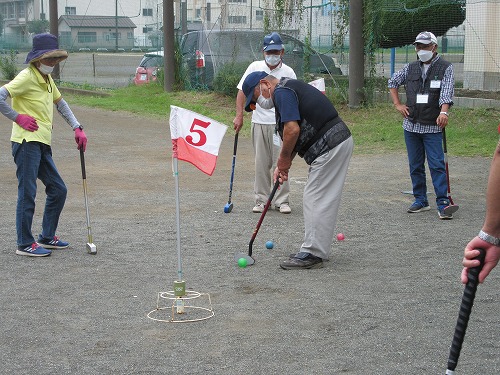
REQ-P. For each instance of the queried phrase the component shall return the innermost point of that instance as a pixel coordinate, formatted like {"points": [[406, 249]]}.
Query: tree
{"points": [[38, 26], [399, 25]]}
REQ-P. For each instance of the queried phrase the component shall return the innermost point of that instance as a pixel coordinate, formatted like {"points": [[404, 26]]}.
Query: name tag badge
{"points": [[276, 140], [435, 84], [422, 99]]}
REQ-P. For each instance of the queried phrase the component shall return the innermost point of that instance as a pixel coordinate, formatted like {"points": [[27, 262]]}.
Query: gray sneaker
{"points": [[418, 207], [444, 214], [302, 261]]}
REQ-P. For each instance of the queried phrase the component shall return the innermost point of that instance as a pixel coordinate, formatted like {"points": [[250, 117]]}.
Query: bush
{"points": [[228, 77], [8, 65]]}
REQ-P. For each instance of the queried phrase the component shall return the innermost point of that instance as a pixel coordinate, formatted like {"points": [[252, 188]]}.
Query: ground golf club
{"points": [[248, 256], [91, 249]]}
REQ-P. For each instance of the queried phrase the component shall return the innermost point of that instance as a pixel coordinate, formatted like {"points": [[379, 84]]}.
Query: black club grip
{"points": [[465, 310]]}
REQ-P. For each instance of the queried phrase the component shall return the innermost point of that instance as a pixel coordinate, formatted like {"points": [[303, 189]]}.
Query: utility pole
{"points": [[116, 25], [169, 49], [356, 53], [54, 30]]}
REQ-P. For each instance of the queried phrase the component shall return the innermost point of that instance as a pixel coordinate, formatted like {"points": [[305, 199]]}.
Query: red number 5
{"points": [[201, 134]]}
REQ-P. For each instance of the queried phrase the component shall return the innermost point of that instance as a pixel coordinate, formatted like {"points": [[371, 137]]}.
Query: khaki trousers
{"points": [[266, 156]]}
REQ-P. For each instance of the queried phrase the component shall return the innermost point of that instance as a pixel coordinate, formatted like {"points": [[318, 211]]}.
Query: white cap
{"points": [[425, 37]]}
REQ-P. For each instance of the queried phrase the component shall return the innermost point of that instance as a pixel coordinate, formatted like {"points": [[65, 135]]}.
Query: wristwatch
{"points": [[488, 238], [444, 113]]}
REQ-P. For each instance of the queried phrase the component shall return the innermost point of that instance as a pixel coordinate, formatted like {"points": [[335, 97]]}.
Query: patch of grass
{"points": [[376, 129]]}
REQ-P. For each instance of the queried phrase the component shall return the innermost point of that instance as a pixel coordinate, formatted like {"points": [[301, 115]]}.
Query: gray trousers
{"points": [[266, 156], [322, 194]]}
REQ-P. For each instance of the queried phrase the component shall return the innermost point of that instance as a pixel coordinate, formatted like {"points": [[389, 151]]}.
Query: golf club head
{"points": [[250, 260], [91, 249], [228, 208], [451, 209]]}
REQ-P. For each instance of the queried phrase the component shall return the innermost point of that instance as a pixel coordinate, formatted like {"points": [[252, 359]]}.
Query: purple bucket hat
{"points": [[45, 46]]}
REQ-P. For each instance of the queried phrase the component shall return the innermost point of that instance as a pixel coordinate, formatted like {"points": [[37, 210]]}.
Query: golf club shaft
{"points": [[84, 178], [445, 149], [464, 313], [266, 207], [232, 167]]}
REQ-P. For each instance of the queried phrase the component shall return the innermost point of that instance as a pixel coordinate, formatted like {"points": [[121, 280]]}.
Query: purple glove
{"points": [[80, 138], [27, 122]]}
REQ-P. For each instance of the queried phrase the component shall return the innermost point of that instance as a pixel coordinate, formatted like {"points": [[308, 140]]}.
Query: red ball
{"points": [[340, 237]]}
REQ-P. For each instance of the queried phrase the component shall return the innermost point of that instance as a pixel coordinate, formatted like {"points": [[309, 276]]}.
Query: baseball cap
{"points": [[248, 87], [272, 42], [425, 37]]}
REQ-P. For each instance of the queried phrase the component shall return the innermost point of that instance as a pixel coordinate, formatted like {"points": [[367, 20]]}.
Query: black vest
{"points": [[425, 114], [318, 117]]}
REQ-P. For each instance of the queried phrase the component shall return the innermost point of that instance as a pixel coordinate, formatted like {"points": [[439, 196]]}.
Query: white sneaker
{"points": [[259, 207], [285, 208]]}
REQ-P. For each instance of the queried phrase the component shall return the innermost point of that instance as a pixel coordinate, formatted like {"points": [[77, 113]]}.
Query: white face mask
{"points": [[424, 55], [272, 60], [263, 102], [45, 69]]}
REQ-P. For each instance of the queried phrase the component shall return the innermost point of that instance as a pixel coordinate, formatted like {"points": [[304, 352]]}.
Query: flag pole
{"points": [[177, 216], [179, 284]]}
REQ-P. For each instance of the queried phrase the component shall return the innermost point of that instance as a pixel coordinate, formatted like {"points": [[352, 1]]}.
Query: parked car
{"points": [[148, 67], [204, 52]]}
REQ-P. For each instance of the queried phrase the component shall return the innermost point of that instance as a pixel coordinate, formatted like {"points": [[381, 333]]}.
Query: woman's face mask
{"points": [[272, 60], [263, 102], [45, 69]]}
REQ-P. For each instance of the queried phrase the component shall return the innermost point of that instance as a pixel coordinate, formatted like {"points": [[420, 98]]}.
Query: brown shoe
{"points": [[302, 261]]}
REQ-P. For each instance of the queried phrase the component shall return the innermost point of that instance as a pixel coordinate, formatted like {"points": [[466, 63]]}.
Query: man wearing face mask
{"points": [[310, 127], [429, 85], [34, 95], [266, 143]]}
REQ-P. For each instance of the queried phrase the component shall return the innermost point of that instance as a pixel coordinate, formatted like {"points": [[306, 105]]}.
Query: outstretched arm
{"points": [[491, 226]]}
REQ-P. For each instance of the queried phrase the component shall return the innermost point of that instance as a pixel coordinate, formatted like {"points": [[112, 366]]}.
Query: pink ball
{"points": [[340, 237]]}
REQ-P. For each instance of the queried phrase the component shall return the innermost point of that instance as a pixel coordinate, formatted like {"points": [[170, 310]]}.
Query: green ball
{"points": [[242, 262]]}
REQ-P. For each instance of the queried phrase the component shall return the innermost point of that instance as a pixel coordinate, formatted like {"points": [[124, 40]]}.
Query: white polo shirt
{"points": [[261, 115]]}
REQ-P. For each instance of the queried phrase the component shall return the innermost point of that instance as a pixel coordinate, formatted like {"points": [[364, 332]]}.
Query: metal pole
{"points": [[393, 60], [177, 217], [116, 25]]}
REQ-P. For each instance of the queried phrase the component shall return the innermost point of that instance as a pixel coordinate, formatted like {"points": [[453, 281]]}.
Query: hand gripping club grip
{"points": [[464, 313]]}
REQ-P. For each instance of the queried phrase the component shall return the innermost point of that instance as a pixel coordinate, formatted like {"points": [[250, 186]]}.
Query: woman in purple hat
{"points": [[34, 94]]}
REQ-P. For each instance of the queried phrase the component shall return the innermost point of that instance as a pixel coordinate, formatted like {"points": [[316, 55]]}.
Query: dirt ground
{"points": [[386, 303]]}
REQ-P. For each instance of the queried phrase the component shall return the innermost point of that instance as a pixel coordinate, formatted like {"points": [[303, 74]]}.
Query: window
{"points": [[146, 30], [10, 11], [147, 12], [21, 10], [197, 13], [237, 19], [70, 11], [259, 15], [87, 37]]}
